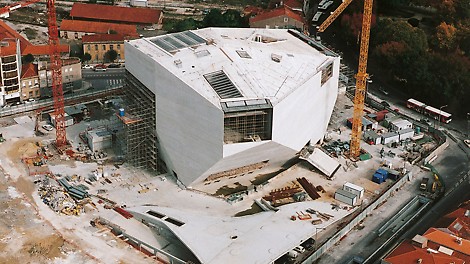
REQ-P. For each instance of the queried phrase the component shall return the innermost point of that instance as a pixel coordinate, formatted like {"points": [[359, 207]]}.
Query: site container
{"points": [[345, 197], [354, 189]]}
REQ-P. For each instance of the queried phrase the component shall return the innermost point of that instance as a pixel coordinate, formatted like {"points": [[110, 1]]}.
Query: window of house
{"points": [[286, 19], [35, 81], [30, 94], [89, 47], [37, 93], [66, 70], [30, 83], [65, 35], [111, 46], [96, 57], [70, 69], [42, 75], [76, 35], [118, 46], [104, 47], [24, 84], [96, 46]]}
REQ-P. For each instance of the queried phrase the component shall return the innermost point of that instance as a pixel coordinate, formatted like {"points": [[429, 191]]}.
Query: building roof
{"points": [[99, 38], [98, 27], [448, 240], [29, 70], [6, 32], [458, 221], [281, 11], [223, 239], [116, 13], [406, 253], [259, 64], [43, 49]]}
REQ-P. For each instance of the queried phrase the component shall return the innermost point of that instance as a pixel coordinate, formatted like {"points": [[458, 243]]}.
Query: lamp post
{"points": [[440, 114]]}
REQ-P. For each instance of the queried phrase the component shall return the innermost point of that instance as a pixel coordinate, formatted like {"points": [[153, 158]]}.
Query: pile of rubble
{"points": [[56, 196]]}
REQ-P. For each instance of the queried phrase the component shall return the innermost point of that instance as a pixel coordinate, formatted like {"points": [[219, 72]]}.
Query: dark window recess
{"points": [[174, 221], [222, 85], [326, 73], [153, 213]]}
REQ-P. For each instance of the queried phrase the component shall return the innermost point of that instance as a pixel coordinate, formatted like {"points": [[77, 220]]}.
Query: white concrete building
{"points": [[227, 98]]}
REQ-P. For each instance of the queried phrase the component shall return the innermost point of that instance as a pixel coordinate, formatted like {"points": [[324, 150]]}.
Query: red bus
{"points": [[435, 113]]}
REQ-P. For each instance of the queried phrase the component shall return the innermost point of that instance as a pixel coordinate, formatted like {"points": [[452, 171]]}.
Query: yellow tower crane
{"points": [[361, 76]]}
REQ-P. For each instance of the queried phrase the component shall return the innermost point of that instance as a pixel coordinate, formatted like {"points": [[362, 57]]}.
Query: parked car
{"points": [[100, 67], [299, 249], [114, 65], [86, 66], [48, 127]]}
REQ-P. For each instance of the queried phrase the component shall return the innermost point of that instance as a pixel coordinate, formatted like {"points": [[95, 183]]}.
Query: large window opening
{"points": [[247, 122]]}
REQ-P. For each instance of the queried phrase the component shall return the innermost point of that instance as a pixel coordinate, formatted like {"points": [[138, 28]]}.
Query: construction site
{"points": [[198, 158]]}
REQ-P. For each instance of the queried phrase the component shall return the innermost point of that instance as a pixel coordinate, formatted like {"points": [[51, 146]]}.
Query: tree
{"points": [[28, 58], [110, 55], [86, 57], [446, 37]]}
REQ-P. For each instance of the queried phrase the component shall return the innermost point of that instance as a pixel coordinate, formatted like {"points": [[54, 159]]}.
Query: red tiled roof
{"points": [[102, 38], [457, 222], [44, 49], [29, 70], [98, 27], [406, 253], [116, 13], [8, 47], [6, 32], [282, 11], [448, 240]]}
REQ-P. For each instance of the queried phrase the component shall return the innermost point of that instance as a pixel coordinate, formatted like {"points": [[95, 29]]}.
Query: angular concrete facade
{"points": [[273, 82]]}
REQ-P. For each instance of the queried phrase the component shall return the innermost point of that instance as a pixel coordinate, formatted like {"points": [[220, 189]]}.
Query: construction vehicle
{"points": [[361, 76]]}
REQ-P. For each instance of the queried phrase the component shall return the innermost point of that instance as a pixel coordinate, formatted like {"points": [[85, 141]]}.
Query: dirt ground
{"points": [[24, 236]]}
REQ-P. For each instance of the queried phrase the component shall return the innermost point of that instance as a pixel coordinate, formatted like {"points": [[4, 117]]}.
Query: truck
{"points": [[424, 184]]}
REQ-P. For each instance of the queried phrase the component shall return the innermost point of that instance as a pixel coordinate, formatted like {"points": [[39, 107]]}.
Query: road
{"points": [[102, 80]]}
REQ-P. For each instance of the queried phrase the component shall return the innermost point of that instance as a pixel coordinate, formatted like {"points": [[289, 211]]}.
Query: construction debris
{"points": [[57, 197]]}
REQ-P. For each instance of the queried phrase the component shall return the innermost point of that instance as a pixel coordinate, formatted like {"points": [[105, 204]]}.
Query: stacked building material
{"points": [[309, 188]]}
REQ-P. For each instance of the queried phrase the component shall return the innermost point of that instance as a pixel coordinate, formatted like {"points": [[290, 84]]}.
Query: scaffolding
{"points": [[139, 121]]}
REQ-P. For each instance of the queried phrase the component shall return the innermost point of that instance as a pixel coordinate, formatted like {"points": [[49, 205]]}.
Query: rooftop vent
{"points": [[276, 57], [202, 53], [467, 213], [178, 63], [4, 44], [243, 54], [419, 261], [222, 85]]}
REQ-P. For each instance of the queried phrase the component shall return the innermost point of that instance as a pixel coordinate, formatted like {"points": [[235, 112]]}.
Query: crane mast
{"points": [[56, 69], [361, 76]]}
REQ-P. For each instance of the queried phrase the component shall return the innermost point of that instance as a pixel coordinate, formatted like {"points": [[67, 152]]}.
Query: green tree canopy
{"points": [[28, 58], [86, 56], [110, 55]]}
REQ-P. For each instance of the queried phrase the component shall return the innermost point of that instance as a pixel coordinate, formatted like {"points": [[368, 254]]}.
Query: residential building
{"points": [[97, 45], [71, 76], [117, 14], [213, 100], [10, 62], [76, 29], [282, 17], [30, 82]]}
